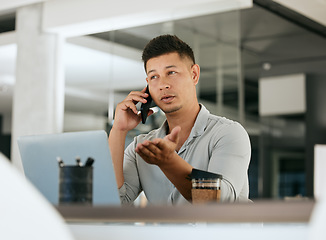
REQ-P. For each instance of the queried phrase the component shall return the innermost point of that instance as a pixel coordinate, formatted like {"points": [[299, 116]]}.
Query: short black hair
{"points": [[166, 44]]}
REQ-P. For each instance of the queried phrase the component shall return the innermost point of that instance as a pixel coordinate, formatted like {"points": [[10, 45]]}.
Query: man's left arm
{"points": [[230, 158]]}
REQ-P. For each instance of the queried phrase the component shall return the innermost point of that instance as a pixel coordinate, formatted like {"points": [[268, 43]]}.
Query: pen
{"points": [[79, 163], [60, 162], [89, 162]]}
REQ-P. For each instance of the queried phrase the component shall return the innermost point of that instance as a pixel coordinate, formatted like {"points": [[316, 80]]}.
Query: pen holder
{"points": [[76, 185]]}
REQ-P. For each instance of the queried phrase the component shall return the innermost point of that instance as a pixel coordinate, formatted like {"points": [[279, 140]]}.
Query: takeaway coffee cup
{"points": [[206, 187]]}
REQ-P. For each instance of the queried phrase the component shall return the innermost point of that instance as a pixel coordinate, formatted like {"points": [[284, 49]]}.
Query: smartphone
{"points": [[144, 108]]}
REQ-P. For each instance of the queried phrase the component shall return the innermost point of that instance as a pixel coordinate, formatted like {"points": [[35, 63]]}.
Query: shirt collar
{"points": [[200, 123], [198, 128]]}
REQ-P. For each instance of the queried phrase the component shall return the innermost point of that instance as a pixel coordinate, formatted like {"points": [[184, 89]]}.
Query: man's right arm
{"points": [[117, 142], [126, 118]]}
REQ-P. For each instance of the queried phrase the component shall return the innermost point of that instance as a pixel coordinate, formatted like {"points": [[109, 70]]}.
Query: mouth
{"points": [[167, 98]]}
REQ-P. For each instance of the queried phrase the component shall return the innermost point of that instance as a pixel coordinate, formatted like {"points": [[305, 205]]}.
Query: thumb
{"points": [[174, 135]]}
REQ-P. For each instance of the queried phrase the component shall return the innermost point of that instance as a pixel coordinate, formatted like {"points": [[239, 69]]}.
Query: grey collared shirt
{"points": [[215, 144]]}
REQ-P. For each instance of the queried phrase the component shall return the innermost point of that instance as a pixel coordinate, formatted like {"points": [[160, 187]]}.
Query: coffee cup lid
{"points": [[200, 174]]}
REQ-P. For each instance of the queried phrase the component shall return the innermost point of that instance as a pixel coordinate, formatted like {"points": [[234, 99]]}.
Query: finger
{"points": [[130, 105], [174, 135], [150, 146], [140, 93], [145, 153], [163, 146], [144, 90], [156, 141], [142, 145], [147, 145], [136, 97]]}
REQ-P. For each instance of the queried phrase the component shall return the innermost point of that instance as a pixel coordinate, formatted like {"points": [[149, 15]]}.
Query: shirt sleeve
{"points": [[131, 187], [230, 158]]}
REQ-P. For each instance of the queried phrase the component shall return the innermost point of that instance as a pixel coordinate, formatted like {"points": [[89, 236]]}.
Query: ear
{"points": [[195, 72]]}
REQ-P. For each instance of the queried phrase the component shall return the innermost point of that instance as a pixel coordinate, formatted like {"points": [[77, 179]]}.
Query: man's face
{"points": [[172, 81]]}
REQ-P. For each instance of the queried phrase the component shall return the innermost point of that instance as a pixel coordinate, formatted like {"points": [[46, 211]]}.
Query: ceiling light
{"points": [[267, 66]]}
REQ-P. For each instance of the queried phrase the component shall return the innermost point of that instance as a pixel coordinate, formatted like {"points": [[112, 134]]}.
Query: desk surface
{"points": [[260, 211]]}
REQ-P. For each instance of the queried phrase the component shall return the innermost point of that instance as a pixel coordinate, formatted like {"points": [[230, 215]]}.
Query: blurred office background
{"points": [[64, 65]]}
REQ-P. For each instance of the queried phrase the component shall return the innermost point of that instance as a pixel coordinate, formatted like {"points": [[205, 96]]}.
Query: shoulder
{"points": [[218, 126], [223, 123], [215, 121], [226, 130]]}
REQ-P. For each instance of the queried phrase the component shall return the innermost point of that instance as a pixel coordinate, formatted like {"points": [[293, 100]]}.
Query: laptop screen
{"points": [[39, 155]]}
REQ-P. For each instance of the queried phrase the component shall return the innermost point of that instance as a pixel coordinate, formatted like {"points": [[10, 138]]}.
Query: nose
{"points": [[164, 83]]}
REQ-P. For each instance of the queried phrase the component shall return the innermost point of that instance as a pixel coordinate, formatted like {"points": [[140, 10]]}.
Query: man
{"points": [[159, 163]]}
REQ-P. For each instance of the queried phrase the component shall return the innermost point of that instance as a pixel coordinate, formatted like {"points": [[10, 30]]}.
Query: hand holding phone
{"points": [[144, 108]]}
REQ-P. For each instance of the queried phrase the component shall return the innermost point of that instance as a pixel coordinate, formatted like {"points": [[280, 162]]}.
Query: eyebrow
{"points": [[167, 67]]}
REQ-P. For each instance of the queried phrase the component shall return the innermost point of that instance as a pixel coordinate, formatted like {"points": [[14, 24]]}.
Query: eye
{"points": [[153, 77], [172, 72]]}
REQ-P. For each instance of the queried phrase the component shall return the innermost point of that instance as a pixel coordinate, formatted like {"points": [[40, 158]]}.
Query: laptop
{"points": [[39, 155]]}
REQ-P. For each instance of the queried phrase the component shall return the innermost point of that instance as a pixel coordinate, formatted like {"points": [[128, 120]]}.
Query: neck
{"points": [[185, 119]]}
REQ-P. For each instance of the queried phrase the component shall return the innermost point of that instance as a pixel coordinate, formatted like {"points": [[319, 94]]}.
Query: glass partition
{"points": [[110, 66]]}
